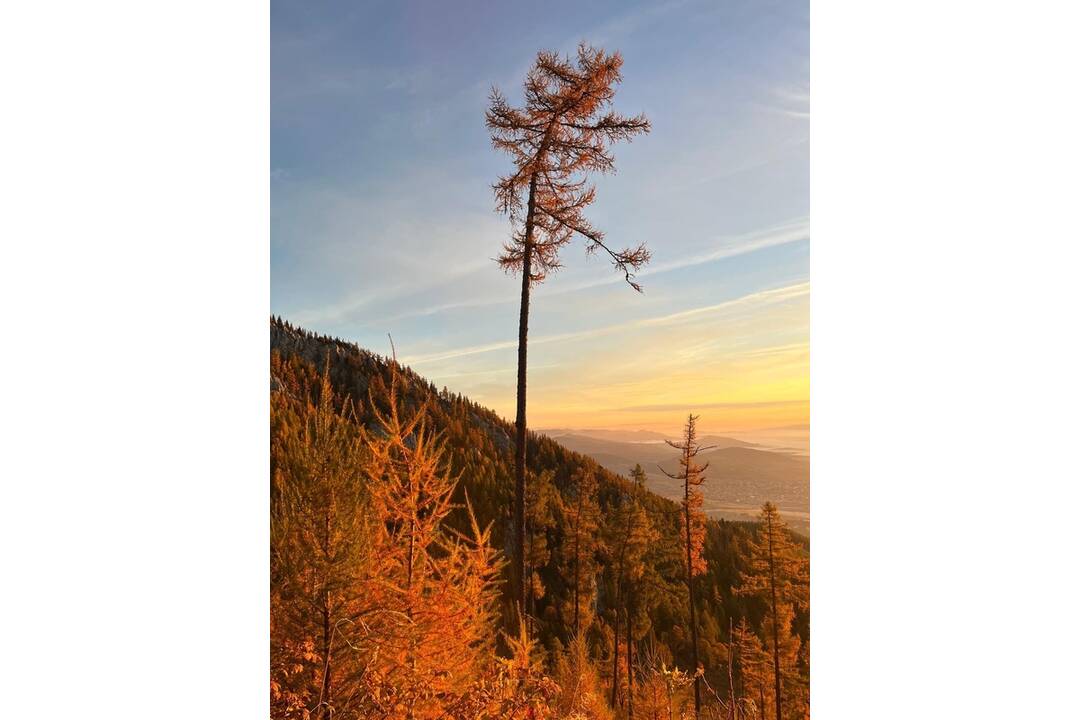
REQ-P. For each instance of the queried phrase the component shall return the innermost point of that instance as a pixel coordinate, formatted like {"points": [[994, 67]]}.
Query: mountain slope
{"points": [[479, 450]]}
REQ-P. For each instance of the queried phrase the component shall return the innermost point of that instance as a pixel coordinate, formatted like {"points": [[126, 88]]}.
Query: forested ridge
{"points": [[608, 630]]}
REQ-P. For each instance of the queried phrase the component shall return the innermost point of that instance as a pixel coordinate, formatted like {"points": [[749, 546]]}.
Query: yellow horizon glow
{"points": [[742, 365]]}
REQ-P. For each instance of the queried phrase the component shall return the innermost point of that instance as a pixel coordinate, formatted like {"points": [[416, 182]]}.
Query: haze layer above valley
{"points": [[745, 468]]}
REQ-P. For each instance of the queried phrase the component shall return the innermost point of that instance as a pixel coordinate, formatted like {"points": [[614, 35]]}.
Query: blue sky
{"points": [[382, 217]]}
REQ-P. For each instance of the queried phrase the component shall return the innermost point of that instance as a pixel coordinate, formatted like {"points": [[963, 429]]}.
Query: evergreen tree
{"points": [[320, 551], [754, 669], [434, 633], [519, 689], [542, 498], [630, 536], [580, 695], [778, 574], [663, 689], [581, 516]]}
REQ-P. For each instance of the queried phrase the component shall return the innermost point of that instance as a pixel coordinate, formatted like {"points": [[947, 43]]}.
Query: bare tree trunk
{"points": [[775, 621], [690, 586], [629, 655], [529, 596], [577, 581], [577, 562], [408, 587], [517, 573], [325, 692], [615, 661], [326, 689], [730, 676]]}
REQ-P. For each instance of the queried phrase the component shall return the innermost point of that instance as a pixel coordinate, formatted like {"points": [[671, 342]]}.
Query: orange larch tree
{"points": [[434, 634], [320, 551], [754, 666], [692, 476], [561, 135]]}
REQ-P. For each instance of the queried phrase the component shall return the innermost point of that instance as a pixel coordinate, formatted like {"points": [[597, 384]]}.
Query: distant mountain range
{"points": [[741, 475], [630, 436], [793, 439]]}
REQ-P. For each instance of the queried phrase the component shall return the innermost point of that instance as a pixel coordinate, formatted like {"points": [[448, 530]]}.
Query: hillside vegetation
{"points": [[369, 459]]}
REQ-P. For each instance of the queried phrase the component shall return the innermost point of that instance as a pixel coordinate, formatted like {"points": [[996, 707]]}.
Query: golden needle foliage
{"points": [[377, 609], [693, 520], [321, 550], [563, 132], [437, 588]]}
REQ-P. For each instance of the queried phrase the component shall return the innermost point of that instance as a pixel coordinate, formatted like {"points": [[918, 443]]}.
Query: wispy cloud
{"points": [[447, 306], [773, 295], [794, 95], [728, 247], [794, 102], [775, 154], [491, 347], [774, 351], [495, 371], [626, 24], [789, 292], [354, 303]]}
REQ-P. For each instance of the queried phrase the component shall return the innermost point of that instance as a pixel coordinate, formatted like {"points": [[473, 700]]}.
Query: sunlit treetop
{"points": [[561, 134]]}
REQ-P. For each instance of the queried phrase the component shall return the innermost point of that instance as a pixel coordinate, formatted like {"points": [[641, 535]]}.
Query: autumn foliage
{"points": [[779, 575], [378, 609], [563, 132], [692, 476], [388, 584]]}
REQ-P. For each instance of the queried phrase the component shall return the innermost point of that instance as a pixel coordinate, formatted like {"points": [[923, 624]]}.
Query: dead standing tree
{"points": [[562, 134], [692, 475]]}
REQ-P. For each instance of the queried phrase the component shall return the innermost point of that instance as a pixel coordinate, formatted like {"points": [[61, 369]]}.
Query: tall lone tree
{"points": [[692, 476], [561, 135]]}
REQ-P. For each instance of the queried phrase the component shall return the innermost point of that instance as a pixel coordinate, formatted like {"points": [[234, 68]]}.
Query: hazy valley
{"points": [[741, 475]]}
